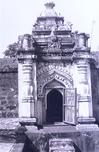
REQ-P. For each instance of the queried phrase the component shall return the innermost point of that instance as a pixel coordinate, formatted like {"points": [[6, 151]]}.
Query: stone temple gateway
{"points": [[49, 93], [54, 72]]}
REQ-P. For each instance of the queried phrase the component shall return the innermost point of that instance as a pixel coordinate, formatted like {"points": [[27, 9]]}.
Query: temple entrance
{"points": [[54, 112]]}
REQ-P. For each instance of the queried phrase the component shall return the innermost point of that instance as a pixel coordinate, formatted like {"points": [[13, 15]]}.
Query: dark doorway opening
{"points": [[54, 106]]}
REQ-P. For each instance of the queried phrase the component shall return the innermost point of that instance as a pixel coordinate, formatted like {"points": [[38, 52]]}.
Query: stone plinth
{"points": [[87, 127]]}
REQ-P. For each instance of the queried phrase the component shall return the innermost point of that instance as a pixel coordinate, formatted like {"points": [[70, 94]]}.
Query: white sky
{"points": [[18, 16]]}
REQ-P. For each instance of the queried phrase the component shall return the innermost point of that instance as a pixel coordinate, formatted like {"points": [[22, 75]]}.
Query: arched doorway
{"points": [[54, 112]]}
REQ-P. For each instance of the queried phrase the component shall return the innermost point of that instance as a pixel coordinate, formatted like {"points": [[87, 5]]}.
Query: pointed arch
{"points": [[66, 82], [54, 112]]}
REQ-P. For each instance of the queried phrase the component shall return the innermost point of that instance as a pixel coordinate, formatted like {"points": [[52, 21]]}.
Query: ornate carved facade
{"points": [[54, 72]]}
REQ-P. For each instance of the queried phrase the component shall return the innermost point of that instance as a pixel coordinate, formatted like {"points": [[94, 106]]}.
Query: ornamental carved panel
{"points": [[46, 73], [62, 68]]}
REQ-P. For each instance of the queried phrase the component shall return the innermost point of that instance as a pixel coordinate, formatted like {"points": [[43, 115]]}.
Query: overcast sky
{"points": [[18, 16]]}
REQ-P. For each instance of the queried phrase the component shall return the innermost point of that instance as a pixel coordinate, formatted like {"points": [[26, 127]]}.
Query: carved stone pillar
{"points": [[26, 100], [82, 80], [85, 109], [26, 77]]}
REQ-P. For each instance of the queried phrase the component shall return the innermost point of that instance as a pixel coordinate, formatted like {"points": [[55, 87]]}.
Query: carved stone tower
{"points": [[54, 72]]}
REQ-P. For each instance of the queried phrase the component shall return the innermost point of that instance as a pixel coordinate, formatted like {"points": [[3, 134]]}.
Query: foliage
{"points": [[11, 51]]}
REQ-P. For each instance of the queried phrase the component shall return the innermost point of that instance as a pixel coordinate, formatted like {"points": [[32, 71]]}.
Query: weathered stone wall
{"points": [[9, 94]]}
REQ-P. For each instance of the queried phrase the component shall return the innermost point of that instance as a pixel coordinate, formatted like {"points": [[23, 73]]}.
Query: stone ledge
{"points": [[13, 123], [87, 127], [28, 121], [90, 120]]}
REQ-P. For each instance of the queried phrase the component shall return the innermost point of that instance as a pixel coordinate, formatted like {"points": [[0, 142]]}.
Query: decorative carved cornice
{"points": [[27, 57]]}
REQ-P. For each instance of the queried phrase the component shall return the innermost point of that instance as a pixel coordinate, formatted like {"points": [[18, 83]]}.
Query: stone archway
{"points": [[54, 111], [65, 87], [66, 81]]}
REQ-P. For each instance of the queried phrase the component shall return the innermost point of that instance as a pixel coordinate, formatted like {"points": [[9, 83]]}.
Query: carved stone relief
{"points": [[49, 72], [59, 67]]}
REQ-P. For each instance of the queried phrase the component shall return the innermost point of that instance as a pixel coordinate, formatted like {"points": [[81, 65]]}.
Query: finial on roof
{"points": [[50, 4]]}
